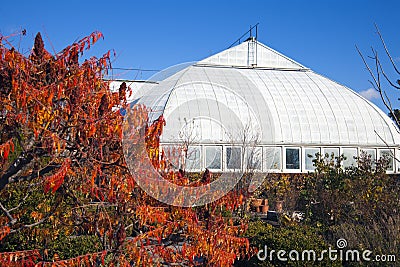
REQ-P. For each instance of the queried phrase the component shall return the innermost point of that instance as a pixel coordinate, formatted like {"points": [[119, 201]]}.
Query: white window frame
{"points": [[391, 151], [221, 157], [355, 160], [299, 160], [266, 168], [367, 150], [260, 154], [226, 158], [305, 157], [200, 160]]}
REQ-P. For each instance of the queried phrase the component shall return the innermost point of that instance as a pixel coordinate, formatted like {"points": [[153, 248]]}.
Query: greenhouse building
{"points": [[251, 107]]}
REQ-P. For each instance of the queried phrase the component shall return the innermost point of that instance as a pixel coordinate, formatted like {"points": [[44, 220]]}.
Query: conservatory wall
{"points": [[279, 159]]}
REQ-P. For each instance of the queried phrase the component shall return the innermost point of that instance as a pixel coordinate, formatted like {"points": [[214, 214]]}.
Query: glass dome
{"points": [[251, 94]]}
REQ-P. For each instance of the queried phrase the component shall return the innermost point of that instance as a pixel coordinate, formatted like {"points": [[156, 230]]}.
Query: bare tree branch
{"points": [[376, 82], [386, 49], [8, 214], [50, 213]]}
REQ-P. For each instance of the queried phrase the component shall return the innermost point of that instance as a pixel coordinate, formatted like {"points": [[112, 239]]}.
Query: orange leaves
{"points": [[91, 39], [105, 60], [95, 36], [4, 232], [150, 215], [6, 148], [44, 117], [14, 59], [69, 109], [220, 244], [32, 258], [52, 103], [212, 238], [25, 258], [92, 130], [53, 182], [70, 53], [152, 139], [49, 99]]}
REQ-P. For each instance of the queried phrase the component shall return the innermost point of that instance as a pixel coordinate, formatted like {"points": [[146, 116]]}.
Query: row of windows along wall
{"points": [[286, 159]]}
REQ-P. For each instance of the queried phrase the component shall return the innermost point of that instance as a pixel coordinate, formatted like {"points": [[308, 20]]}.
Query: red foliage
{"points": [[6, 148], [60, 112], [54, 181], [4, 231], [27, 258]]}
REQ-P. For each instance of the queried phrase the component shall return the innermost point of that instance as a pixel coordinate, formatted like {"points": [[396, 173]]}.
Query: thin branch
{"points": [[30, 225], [367, 66], [20, 203], [386, 49], [18, 178], [8, 214], [48, 215], [387, 145], [376, 82], [386, 77], [375, 53]]}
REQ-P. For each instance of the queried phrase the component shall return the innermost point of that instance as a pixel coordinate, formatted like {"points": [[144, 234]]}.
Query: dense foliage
{"points": [[67, 197], [360, 204], [299, 238]]}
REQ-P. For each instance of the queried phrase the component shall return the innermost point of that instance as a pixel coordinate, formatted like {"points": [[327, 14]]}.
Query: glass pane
{"points": [[172, 155], [254, 158], [193, 158], [331, 150], [213, 157], [371, 153], [397, 161], [350, 155], [387, 154], [233, 157], [272, 158], [309, 157], [292, 158]]}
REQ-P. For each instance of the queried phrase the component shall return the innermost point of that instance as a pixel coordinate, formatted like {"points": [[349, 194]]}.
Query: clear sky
{"points": [[320, 34]]}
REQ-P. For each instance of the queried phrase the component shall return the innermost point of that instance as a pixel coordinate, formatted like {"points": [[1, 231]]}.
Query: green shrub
{"points": [[297, 238]]}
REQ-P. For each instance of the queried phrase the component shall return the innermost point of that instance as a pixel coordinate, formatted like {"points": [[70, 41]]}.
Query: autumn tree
{"points": [[63, 175]]}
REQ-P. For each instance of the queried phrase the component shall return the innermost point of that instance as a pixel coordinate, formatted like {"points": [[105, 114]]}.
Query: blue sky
{"points": [[157, 34]]}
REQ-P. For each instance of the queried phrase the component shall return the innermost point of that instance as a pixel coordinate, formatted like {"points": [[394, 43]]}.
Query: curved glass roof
{"points": [[252, 91]]}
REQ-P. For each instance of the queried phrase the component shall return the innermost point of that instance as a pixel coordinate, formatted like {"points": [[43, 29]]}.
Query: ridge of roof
{"points": [[252, 54]]}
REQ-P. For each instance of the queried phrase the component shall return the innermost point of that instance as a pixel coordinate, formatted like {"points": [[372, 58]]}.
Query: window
{"points": [[254, 158], [172, 154], [371, 155], [272, 158], [292, 158], [193, 158], [309, 154], [388, 155], [213, 157], [350, 155], [397, 161], [330, 151], [233, 158]]}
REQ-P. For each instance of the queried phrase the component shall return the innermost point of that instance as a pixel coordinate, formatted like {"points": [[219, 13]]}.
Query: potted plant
{"points": [[279, 205], [257, 203], [282, 187], [265, 208]]}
